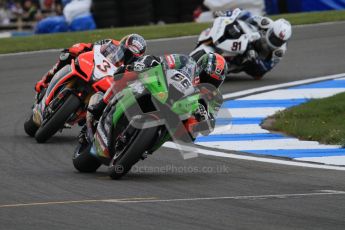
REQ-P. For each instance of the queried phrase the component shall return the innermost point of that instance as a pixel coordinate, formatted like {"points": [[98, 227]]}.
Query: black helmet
{"points": [[212, 69], [134, 47]]}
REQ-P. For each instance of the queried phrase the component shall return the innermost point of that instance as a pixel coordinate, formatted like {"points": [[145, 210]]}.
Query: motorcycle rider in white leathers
{"points": [[263, 54]]}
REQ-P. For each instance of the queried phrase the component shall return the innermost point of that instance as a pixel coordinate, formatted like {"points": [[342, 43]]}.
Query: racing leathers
{"points": [[174, 65], [259, 58], [262, 58], [66, 56]]}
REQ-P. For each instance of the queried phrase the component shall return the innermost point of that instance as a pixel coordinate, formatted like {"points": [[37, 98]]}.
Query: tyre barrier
{"points": [[115, 13]]}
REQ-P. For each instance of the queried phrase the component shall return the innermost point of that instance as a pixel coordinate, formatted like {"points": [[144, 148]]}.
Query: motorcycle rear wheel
{"points": [[58, 119], [30, 127], [83, 161]]}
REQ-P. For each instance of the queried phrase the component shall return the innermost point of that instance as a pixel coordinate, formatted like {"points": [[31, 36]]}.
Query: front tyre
{"points": [[30, 127], [124, 159], [83, 161], [58, 119]]}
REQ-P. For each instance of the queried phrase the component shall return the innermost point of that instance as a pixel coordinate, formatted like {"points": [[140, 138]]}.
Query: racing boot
{"points": [[97, 109]]}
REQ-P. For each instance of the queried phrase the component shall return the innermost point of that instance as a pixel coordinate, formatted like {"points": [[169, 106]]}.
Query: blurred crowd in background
{"points": [[28, 10], [49, 16]]}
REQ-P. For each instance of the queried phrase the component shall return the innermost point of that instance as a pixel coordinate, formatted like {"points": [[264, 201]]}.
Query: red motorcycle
{"points": [[64, 103]]}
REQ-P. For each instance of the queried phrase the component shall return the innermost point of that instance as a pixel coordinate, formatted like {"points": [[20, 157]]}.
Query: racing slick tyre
{"points": [[58, 119], [83, 161], [124, 158], [30, 127]]}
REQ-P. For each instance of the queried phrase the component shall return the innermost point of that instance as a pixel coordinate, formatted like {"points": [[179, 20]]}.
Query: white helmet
{"points": [[279, 33]]}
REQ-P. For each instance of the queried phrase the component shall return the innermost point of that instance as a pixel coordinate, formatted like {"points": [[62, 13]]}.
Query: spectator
{"points": [[201, 14], [4, 15], [30, 10], [15, 9]]}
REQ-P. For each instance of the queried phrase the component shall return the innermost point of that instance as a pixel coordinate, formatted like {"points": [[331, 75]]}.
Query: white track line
{"points": [[278, 86], [248, 112], [239, 129], [266, 144], [155, 200], [291, 94], [259, 159], [256, 197], [332, 160]]}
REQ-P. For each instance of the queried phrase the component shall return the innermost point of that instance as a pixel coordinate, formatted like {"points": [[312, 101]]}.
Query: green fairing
{"points": [[125, 102], [154, 80], [187, 105]]}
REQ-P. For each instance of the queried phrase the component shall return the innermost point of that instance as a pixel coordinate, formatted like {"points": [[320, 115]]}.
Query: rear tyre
{"points": [[58, 119], [30, 127], [83, 161], [140, 142]]}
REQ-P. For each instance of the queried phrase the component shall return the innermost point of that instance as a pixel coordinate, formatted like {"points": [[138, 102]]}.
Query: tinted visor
{"points": [[234, 31], [206, 78], [113, 53], [275, 40]]}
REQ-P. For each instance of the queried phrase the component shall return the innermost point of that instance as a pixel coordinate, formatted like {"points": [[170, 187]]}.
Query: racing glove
{"points": [[206, 122], [201, 113], [252, 55]]}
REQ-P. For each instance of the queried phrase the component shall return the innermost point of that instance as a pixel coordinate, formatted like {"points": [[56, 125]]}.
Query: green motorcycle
{"points": [[138, 121]]}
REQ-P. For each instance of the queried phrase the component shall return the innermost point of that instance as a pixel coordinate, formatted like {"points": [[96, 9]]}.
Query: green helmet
{"points": [[212, 69]]}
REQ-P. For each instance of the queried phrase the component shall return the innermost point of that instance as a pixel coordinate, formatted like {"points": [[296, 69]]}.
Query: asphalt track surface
{"points": [[39, 188]]}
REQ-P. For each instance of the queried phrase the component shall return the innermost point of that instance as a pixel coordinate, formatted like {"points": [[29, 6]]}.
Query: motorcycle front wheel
{"points": [[129, 152], [58, 119]]}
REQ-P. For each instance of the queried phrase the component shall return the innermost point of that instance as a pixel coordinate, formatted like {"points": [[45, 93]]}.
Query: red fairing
{"points": [[119, 85], [104, 84], [86, 63], [78, 48], [73, 73]]}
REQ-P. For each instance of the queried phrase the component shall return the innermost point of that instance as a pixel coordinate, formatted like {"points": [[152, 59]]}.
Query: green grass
{"points": [[314, 17], [51, 41], [320, 120], [61, 40]]}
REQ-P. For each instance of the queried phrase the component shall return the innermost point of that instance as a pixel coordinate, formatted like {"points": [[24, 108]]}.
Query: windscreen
{"points": [[112, 52]]}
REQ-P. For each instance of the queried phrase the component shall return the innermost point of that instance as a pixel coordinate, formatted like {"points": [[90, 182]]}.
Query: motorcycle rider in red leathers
{"points": [[130, 48]]}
